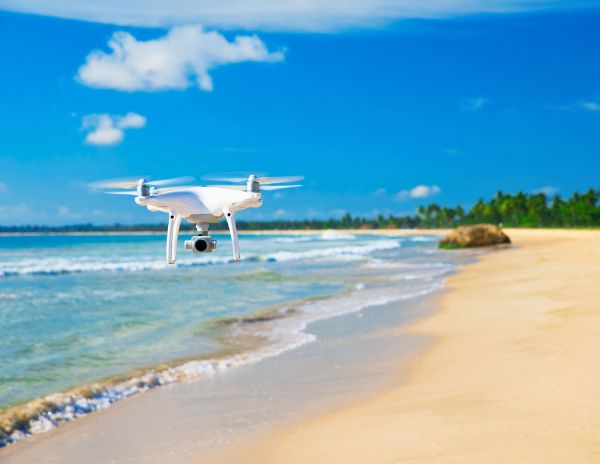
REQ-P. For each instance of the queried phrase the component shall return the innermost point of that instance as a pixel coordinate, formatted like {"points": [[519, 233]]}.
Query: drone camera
{"points": [[201, 244]]}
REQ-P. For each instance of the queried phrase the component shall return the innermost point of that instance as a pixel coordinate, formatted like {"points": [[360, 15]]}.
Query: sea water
{"points": [[80, 309]]}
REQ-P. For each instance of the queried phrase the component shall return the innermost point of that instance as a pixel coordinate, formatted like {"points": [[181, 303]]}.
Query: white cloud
{"points": [[131, 121], [591, 106], [474, 103], [106, 129], [66, 213], [281, 15], [20, 211], [176, 61], [281, 213], [380, 192], [547, 190], [3, 187], [418, 192]]}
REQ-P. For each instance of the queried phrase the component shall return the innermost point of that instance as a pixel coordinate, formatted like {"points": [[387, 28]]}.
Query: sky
{"points": [[383, 106]]}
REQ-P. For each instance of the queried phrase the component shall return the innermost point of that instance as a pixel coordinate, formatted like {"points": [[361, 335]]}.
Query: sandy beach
{"points": [[511, 377], [499, 367]]}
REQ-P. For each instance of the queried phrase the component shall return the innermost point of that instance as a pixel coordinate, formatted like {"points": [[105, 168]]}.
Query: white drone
{"points": [[198, 205]]}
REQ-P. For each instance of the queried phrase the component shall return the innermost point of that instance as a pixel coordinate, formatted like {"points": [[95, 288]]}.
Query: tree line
{"points": [[508, 210]]}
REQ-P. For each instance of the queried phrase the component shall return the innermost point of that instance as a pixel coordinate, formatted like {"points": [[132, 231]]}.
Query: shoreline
{"points": [[534, 231], [197, 418], [48, 412], [406, 232], [510, 375]]}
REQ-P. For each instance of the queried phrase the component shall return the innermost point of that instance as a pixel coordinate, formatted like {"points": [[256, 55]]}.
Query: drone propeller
{"points": [[243, 187], [129, 192], [229, 187], [279, 187], [260, 180], [132, 182]]}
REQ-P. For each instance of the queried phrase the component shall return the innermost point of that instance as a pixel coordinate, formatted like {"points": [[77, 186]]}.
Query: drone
{"points": [[199, 205]]}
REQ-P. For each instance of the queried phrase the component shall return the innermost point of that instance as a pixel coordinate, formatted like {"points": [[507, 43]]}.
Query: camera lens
{"points": [[200, 245]]}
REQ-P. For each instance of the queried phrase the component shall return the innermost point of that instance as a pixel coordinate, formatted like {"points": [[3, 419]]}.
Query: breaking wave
{"points": [[58, 266]]}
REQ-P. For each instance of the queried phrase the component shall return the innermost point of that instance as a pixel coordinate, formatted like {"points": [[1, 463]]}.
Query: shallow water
{"points": [[77, 309]]}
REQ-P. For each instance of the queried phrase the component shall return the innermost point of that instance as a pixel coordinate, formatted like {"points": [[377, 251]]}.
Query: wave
{"points": [[270, 332], [335, 235], [357, 251], [58, 266], [328, 235], [423, 238]]}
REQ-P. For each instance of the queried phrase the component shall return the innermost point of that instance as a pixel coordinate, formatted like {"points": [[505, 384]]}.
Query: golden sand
{"points": [[512, 377]]}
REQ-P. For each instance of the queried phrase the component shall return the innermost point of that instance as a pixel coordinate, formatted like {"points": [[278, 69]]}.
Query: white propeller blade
{"points": [[158, 191], [225, 179], [133, 192], [132, 182], [260, 180], [173, 180], [278, 180], [229, 187], [279, 187], [122, 183]]}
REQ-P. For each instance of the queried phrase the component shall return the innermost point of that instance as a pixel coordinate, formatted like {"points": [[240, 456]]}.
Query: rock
{"points": [[478, 235]]}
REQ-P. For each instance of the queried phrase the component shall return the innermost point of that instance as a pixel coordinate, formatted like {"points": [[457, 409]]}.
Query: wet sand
{"points": [[512, 376]]}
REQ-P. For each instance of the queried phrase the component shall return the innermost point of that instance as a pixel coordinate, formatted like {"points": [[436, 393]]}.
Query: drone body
{"points": [[199, 205]]}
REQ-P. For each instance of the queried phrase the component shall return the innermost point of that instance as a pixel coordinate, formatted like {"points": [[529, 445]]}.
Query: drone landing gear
{"points": [[172, 234], [230, 217], [201, 243]]}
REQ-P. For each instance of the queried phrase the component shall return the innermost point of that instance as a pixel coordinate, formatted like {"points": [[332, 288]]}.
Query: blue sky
{"points": [[379, 114]]}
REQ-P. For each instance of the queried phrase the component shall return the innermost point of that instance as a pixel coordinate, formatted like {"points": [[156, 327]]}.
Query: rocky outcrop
{"points": [[478, 235]]}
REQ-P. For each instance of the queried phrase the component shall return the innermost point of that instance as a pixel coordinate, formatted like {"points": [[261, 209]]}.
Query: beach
{"points": [[499, 366], [511, 376], [100, 319]]}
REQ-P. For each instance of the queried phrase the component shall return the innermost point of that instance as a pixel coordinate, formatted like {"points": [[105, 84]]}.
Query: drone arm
{"points": [[230, 217], [172, 234]]}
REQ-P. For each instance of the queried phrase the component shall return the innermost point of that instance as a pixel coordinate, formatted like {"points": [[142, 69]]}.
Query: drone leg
{"points": [[172, 234], [230, 217]]}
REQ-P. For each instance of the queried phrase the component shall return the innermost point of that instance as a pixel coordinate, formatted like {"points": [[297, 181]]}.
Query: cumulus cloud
{"points": [[106, 129], [591, 106], [474, 103], [176, 61], [418, 192], [281, 15], [3, 187]]}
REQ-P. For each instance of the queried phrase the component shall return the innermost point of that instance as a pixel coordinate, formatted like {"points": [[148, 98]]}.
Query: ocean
{"points": [[88, 320]]}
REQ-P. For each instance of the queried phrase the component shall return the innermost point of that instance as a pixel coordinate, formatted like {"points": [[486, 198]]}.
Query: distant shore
{"points": [[512, 376]]}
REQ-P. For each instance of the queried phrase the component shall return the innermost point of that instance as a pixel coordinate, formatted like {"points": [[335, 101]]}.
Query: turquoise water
{"points": [[77, 309]]}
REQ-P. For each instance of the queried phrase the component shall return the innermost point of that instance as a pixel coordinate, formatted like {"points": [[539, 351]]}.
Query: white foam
{"points": [[423, 238], [335, 235], [340, 252], [58, 265], [293, 239]]}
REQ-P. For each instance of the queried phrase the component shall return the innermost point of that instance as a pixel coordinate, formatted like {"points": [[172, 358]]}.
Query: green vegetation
{"points": [[449, 246], [520, 210]]}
